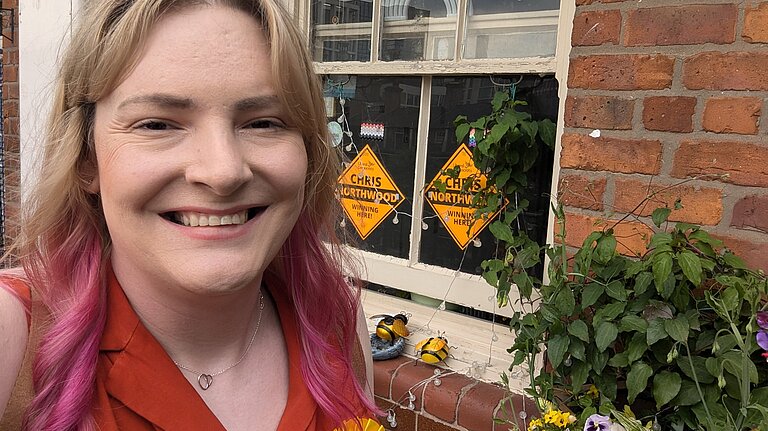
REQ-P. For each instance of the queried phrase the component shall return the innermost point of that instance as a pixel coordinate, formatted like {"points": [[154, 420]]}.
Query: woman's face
{"points": [[200, 173]]}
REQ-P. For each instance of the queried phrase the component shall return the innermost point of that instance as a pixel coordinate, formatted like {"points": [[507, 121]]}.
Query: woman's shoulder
{"points": [[14, 331]]}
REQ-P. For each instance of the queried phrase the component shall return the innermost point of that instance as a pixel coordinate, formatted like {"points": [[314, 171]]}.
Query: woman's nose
{"points": [[219, 163]]}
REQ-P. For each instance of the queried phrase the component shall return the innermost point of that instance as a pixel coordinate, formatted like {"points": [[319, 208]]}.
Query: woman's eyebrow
{"points": [[256, 103], [158, 99]]}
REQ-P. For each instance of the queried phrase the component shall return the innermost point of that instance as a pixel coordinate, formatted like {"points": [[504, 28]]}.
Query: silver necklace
{"points": [[205, 380]]}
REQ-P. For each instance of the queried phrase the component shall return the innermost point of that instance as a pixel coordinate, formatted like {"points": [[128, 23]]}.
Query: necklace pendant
{"points": [[205, 381]]}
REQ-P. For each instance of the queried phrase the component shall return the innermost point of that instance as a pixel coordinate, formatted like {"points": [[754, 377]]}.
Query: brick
{"points": [[726, 71], [632, 236], [11, 73], [599, 112], [406, 419], [512, 407], [700, 205], [733, 115], [11, 108], [407, 376], [681, 25], [477, 407], [750, 212], [621, 72], [610, 154], [756, 23], [10, 90], [582, 192], [752, 251], [11, 56], [441, 401], [669, 114], [596, 28], [586, 2], [383, 372], [427, 424], [11, 126], [735, 162]]}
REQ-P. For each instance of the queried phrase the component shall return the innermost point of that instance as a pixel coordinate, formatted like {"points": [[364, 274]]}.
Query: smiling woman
{"points": [[176, 249]]}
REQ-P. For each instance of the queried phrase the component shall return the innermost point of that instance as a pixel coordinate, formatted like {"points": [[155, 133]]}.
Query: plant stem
{"points": [[698, 386]]}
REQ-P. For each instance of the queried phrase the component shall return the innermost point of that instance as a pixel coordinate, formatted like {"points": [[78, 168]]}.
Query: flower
{"points": [[762, 334], [593, 391], [535, 424], [598, 423]]}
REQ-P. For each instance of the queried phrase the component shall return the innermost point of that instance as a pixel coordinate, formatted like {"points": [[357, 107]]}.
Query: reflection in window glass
{"points": [[393, 102], [418, 30], [511, 28], [341, 30], [471, 96]]}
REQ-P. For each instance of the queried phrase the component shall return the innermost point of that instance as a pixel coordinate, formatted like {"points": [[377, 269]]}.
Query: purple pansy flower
{"points": [[598, 423], [762, 334]]}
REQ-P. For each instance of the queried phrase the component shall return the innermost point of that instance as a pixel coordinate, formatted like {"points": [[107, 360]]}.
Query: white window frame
{"points": [[430, 280]]}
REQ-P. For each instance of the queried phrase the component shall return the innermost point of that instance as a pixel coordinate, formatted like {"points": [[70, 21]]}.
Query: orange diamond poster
{"points": [[454, 206], [367, 192]]}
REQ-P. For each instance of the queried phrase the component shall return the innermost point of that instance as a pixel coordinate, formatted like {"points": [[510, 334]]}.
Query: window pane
{"points": [[394, 103], [418, 30], [511, 28], [341, 30], [471, 96]]}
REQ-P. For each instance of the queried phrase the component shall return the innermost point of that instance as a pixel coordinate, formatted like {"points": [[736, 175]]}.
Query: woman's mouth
{"points": [[195, 219]]}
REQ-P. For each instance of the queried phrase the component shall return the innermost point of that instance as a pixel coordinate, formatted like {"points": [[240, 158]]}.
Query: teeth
{"points": [[199, 219]]}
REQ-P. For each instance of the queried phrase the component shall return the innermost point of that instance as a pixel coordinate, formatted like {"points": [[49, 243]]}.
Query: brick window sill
{"points": [[458, 403]]}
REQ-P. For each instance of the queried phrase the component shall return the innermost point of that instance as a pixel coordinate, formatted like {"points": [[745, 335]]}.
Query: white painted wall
{"points": [[44, 27]]}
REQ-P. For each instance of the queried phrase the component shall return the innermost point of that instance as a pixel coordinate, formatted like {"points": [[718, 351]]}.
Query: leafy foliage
{"points": [[671, 334]]}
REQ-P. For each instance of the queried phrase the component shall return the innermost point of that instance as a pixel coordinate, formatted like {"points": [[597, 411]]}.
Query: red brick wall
{"points": [[11, 124], [678, 90]]}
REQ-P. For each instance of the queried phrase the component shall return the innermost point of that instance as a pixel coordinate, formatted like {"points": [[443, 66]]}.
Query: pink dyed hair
{"points": [[64, 245]]}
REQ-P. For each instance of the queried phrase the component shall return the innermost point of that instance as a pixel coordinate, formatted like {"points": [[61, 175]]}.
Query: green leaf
{"points": [[497, 132], [662, 267], [591, 293], [637, 379], [565, 301], [677, 328], [556, 348], [660, 215], [666, 386], [688, 394], [609, 311], [637, 347], [605, 334], [700, 370], [498, 99], [577, 349], [501, 231], [524, 284], [633, 323], [691, 266], [547, 130], [655, 331], [462, 130], [619, 360], [579, 329], [579, 374], [734, 261], [616, 290], [606, 248], [642, 281]]}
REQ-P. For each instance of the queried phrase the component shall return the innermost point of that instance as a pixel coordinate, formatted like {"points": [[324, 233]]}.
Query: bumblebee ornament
{"points": [[390, 328], [433, 350]]}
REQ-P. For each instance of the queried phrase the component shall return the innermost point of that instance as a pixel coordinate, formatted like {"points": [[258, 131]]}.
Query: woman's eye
{"points": [[153, 125], [261, 124]]}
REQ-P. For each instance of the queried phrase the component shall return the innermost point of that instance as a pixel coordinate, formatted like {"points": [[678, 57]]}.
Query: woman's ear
{"points": [[93, 186]]}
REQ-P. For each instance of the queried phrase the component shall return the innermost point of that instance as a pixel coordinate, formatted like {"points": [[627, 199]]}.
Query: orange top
{"points": [[138, 387]]}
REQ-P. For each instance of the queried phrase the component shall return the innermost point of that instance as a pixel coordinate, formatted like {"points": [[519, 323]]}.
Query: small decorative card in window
{"points": [[372, 130]]}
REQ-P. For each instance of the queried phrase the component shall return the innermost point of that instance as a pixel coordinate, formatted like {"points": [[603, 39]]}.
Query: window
{"points": [[397, 73]]}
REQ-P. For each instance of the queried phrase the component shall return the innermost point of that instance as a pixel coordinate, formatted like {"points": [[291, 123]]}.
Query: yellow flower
{"points": [[551, 416], [354, 425], [535, 424], [593, 392]]}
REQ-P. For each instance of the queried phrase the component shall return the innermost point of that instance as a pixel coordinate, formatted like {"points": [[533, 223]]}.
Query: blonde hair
{"points": [[64, 244]]}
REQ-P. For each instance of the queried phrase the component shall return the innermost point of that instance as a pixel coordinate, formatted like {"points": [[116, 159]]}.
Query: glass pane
{"points": [[471, 96], [511, 28], [418, 30], [341, 30], [383, 115]]}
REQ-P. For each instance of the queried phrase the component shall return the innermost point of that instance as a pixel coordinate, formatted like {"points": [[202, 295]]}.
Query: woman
{"points": [[179, 237]]}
